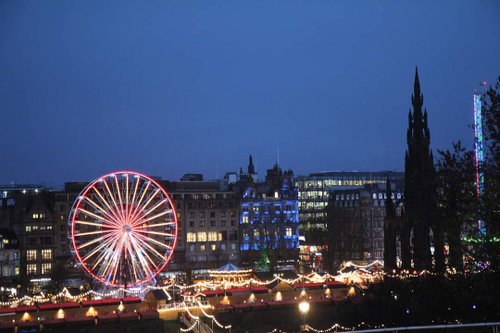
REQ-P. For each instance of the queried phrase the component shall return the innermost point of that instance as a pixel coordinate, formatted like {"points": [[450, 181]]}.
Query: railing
{"points": [[493, 327], [181, 305]]}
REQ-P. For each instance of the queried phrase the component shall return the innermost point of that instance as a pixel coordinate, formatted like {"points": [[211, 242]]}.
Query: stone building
{"points": [[356, 218], [269, 221], [314, 193], [10, 267], [207, 214]]}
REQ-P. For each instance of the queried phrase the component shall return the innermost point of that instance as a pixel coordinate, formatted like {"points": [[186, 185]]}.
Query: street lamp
{"points": [[304, 309]]}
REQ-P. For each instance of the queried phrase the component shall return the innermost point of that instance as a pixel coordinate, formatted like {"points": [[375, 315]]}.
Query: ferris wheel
{"points": [[123, 228]]}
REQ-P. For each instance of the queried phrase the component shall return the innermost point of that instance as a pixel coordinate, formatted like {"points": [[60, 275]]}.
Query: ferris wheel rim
{"points": [[73, 219]]}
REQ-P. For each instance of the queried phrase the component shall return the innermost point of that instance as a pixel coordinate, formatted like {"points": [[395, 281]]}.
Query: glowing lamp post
{"points": [[304, 309]]}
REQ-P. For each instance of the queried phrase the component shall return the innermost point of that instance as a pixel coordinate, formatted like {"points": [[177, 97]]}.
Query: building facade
{"points": [[10, 266], [207, 213], [314, 193], [269, 221], [356, 219]]}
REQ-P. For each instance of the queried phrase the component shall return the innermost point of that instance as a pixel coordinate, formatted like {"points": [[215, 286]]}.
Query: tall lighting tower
{"points": [[478, 139]]}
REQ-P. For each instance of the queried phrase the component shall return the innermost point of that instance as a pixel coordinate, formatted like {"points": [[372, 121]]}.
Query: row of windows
{"points": [[205, 196], [211, 236], [9, 255], [9, 271], [212, 247], [45, 254], [336, 182], [204, 258], [40, 240], [213, 223], [32, 269], [212, 215], [38, 216], [203, 205], [289, 218], [31, 228], [265, 232]]}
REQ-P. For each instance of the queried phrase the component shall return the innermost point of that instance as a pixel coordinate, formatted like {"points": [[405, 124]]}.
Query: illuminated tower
{"points": [[478, 139]]}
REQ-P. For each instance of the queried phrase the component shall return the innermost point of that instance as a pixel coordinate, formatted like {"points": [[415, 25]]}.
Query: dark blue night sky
{"points": [[165, 88]]}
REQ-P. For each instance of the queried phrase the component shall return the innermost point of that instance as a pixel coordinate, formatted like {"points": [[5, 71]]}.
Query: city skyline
{"points": [[167, 89]]}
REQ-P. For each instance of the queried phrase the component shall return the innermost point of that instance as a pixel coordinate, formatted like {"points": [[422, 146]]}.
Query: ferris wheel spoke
{"points": [[133, 259], [108, 251], [118, 256], [98, 217], [105, 242], [138, 205], [93, 233], [95, 240], [113, 257], [154, 225], [132, 201], [119, 191], [156, 233], [126, 196], [113, 199], [139, 219], [100, 225], [141, 209], [146, 239], [143, 220], [142, 260], [116, 218], [101, 210]]}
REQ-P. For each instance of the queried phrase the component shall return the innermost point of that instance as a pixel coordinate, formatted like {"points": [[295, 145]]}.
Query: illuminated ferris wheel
{"points": [[123, 227]]}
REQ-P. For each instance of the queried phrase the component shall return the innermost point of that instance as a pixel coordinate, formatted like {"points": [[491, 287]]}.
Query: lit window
{"points": [[202, 237], [202, 247], [28, 228], [213, 247], [46, 268], [30, 255], [212, 236], [31, 269], [256, 233], [191, 237], [245, 219], [289, 232], [46, 254]]}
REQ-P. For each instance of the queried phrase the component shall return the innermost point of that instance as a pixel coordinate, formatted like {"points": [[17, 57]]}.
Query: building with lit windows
{"points": [[29, 213], [314, 192], [9, 259], [269, 221], [356, 218], [207, 213]]}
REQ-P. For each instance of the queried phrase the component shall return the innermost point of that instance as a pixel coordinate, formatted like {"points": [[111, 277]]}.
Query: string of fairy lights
{"points": [[361, 273]]}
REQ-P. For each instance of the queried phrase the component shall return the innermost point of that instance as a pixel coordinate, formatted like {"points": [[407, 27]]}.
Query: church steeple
{"points": [[417, 98], [251, 167]]}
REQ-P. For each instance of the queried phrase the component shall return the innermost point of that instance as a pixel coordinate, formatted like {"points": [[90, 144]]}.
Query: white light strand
{"points": [[213, 318], [191, 327]]}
